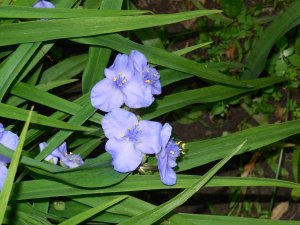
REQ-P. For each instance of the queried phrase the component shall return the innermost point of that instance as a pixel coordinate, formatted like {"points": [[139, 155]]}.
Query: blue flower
{"points": [[43, 4], [3, 174], [129, 138], [149, 75], [167, 157], [61, 154], [71, 160], [57, 154], [120, 86], [9, 140]]}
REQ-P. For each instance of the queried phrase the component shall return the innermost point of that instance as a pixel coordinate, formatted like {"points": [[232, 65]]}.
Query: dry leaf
{"points": [[279, 210]]}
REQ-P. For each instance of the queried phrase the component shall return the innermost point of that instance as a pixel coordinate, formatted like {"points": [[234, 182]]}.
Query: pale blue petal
{"points": [[137, 95], [105, 96], [124, 65], [3, 174], [9, 140], [165, 134], [156, 88], [167, 174], [60, 151], [110, 73], [116, 123], [139, 60], [43, 4], [149, 140], [50, 157], [125, 157]]}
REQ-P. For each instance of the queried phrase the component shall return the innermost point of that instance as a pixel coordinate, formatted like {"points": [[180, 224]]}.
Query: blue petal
{"points": [[149, 140], [139, 60], [3, 174], [50, 157], [43, 4], [165, 134], [60, 151], [105, 96], [124, 65], [9, 140], [137, 95], [167, 174], [156, 88], [125, 157], [116, 123]]}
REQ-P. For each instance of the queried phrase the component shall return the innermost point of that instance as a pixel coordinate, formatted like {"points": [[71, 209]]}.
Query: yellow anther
{"points": [[114, 78], [127, 139], [122, 135], [124, 81], [119, 73], [183, 145], [172, 152], [155, 75], [178, 142], [147, 81], [129, 128], [148, 70], [120, 85]]}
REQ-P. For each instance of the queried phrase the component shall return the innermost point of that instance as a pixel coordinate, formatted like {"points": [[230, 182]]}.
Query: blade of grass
{"points": [[151, 216], [12, 170], [91, 212]]}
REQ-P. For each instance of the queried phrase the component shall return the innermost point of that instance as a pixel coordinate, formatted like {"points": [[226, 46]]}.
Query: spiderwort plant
{"points": [[9, 140], [124, 84], [129, 139]]}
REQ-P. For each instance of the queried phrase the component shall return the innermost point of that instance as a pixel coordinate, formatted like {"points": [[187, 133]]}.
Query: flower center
{"points": [[133, 133], [173, 149], [150, 75], [119, 80]]}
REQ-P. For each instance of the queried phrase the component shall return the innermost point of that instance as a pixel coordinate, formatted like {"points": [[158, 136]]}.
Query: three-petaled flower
{"points": [[130, 81], [167, 156], [60, 154], [9, 140], [129, 138]]}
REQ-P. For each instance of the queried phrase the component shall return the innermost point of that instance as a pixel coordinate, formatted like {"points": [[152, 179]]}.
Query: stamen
{"points": [[127, 139], [147, 81], [114, 79], [172, 152], [119, 73], [124, 81]]}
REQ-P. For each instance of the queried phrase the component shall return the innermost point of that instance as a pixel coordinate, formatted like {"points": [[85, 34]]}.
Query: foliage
{"points": [[53, 57]]}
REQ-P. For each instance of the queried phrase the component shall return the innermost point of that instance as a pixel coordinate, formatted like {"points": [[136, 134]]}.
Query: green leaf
{"points": [[151, 216], [202, 152], [93, 211], [258, 55], [15, 113], [209, 94], [161, 57], [11, 68], [12, 170], [29, 12], [33, 94], [65, 69], [67, 28], [50, 188]]}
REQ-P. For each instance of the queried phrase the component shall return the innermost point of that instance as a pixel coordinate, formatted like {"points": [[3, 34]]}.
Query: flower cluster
{"points": [[130, 81], [10, 140], [133, 82]]}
